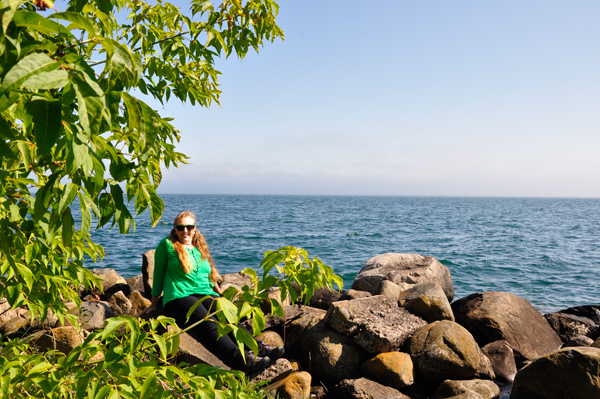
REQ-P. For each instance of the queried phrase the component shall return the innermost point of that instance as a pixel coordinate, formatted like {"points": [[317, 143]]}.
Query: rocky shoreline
{"points": [[397, 333]]}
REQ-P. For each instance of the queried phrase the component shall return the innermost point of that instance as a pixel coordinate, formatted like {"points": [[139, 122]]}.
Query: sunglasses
{"points": [[189, 227]]}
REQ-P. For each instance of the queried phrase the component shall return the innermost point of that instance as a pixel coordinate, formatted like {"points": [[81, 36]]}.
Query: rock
{"points": [[596, 343], [568, 326], [296, 330], [405, 270], [444, 350], [578, 341], [109, 278], [6, 314], [502, 359], [273, 293], [15, 325], [318, 392], [124, 288], [193, 352], [330, 354], [278, 370], [495, 316], [138, 302], [63, 339], [393, 369], [364, 388], [238, 280], [148, 271], [476, 389], [271, 338], [119, 304], [428, 301], [566, 373], [92, 315], [388, 289], [135, 283], [485, 371], [323, 298], [294, 386], [591, 312], [354, 294], [375, 323]]}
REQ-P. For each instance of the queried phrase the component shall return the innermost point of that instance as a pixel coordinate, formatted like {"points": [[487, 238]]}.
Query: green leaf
{"points": [[111, 325], [35, 21], [77, 20], [148, 387], [47, 122], [29, 66], [67, 227], [86, 216], [7, 15], [229, 310], [67, 198], [43, 196], [47, 80]]}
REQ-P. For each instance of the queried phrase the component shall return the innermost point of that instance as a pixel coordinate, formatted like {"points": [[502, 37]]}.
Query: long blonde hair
{"points": [[199, 242]]}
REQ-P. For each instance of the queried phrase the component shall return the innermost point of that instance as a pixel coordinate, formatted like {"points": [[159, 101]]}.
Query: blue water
{"points": [[544, 250]]}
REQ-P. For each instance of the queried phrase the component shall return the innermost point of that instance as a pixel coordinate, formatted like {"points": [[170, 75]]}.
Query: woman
{"points": [[184, 271]]}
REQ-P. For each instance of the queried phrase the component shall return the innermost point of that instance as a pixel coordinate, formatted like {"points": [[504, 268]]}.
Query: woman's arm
{"points": [[219, 290], [152, 307]]}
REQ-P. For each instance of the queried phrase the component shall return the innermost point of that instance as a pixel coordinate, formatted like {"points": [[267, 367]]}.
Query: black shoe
{"points": [[274, 352], [254, 364]]}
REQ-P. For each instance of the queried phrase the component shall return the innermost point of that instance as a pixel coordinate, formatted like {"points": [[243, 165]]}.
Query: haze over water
{"points": [[544, 250]]}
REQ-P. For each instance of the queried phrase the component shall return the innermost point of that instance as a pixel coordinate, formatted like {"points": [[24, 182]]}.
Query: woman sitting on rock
{"points": [[184, 270]]}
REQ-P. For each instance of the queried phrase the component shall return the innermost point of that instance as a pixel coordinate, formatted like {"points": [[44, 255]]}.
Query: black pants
{"points": [[225, 348]]}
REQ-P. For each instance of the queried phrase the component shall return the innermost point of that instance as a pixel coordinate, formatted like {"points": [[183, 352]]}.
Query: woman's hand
{"points": [[149, 309], [219, 289]]}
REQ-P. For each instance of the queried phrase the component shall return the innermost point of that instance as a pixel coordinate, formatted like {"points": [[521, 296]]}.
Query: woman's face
{"points": [[186, 235]]}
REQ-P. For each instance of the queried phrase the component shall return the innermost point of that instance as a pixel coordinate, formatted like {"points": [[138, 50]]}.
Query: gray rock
{"points": [[323, 298], [566, 373], [148, 271], [476, 389], [136, 283], [496, 316], [388, 289], [405, 270], [568, 326], [502, 359], [238, 280], [444, 350], [376, 323], [296, 332], [92, 315], [578, 341], [428, 301], [364, 388], [193, 352], [276, 371]]}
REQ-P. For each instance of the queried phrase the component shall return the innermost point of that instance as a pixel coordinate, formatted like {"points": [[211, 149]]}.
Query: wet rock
{"points": [[578, 341], [568, 326], [428, 301], [278, 370], [502, 359], [120, 304], [470, 389], [566, 373], [354, 294], [148, 271], [294, 386], [109, 278], [376, 323], [444, 350], [393, 369], [63, 339], [496, 316], [363, 388], [405, 270], [92, 315]]}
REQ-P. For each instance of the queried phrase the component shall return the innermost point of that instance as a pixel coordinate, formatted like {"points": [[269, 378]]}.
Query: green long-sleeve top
{"points": [[170, 277]]}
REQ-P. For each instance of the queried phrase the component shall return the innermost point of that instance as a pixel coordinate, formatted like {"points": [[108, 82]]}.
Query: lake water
{"points": [[544, 250]]}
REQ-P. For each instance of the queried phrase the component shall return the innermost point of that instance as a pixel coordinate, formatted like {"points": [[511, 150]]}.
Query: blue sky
{"points": [[459, 98]]}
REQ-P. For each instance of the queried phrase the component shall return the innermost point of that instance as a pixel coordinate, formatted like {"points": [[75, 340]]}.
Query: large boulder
{"points": [[148, 271], [502, 359], [444, 350], [428, 301], [120, 304], [495, 316], [109, 278], [363, 388], [193, 352], [296, 330], [405, 270], [470, 389], [568, 325], [276, 371], [92, 315], [566, 373], [394, 369], [63, 339], [375, 323], [136, 283]]}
